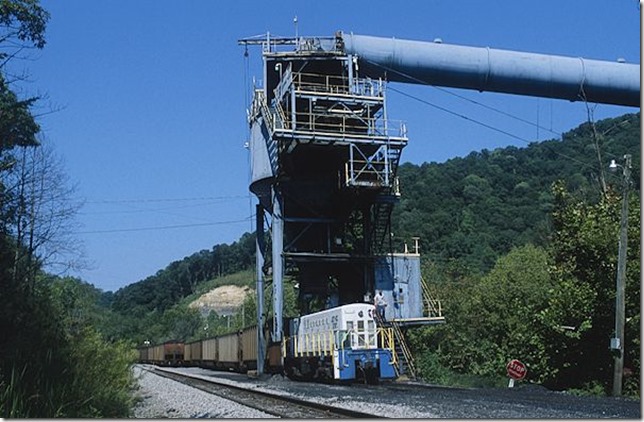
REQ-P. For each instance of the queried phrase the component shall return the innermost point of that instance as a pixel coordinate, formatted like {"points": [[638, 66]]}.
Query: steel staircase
{"points": [[393, 155], [405, 358], [385, 203], [381, 221], [281, 120]]}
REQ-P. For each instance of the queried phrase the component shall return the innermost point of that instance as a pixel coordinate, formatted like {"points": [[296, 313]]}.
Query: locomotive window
{"points": [[349, 339], [361, 334], [371, 333], [346, 339]]}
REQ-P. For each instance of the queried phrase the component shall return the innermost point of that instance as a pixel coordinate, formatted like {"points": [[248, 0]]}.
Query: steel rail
{"points": [[288, 407]]}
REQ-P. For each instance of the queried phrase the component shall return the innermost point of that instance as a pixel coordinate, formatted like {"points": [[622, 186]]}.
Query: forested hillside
{"points": [[471, 210], [181, 278]]}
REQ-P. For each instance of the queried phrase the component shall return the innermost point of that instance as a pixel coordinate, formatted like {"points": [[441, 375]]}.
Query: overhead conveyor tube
{"points": [[486, 69]]}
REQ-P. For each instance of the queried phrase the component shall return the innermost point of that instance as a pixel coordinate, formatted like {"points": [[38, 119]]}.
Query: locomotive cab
{"points": [[342, 343]]}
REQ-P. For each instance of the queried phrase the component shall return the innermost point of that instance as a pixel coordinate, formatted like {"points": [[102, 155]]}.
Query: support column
{"points": [[259, 264], [278, 266], [350, 73]]}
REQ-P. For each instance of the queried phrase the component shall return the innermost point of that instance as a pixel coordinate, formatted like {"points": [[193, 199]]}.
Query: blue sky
{"points": [[152, 97]]}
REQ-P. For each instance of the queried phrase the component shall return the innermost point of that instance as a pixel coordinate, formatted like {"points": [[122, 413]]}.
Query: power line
{"points": [[527, 141], [462, 97], [496, 110], [180, 226], [150, 210], [141, 200], [462, 116]]}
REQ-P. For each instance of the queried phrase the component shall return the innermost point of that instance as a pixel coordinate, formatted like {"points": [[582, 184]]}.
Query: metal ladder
{"points": [[405, 356], [405, 359]]}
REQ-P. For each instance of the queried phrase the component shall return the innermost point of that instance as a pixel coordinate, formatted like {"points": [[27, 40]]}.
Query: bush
{"points": [[57, 365], [593, 388], [433, 372], [102, 382]]}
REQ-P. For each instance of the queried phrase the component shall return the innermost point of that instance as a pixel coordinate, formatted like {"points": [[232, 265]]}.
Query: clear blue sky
{"points": [[152, 94]]}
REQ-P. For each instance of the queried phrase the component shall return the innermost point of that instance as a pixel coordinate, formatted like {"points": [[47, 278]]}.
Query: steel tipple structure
{"points": [[324, 157]]}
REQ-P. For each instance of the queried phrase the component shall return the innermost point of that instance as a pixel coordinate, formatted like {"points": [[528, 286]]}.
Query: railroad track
{"points": [[277, 405]]}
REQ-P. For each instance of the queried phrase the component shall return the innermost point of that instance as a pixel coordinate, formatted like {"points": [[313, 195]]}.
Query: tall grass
{"points": [[12, 398], [92, 379], [29, 392]]}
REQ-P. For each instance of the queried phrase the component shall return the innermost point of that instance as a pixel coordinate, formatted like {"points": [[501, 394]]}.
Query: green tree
{"points": [[52, 363], [22, 24], [519, 310], [585, 248]]}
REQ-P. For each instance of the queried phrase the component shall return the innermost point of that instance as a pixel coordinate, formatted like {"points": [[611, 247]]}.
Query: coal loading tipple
{"points": [[324, 157]]}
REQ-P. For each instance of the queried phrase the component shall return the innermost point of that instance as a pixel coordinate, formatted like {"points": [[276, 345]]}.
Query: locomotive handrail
{"points": [[390, 344], [326, 342]]}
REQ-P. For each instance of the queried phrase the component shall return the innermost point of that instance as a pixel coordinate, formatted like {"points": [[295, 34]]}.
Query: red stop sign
{"points": [[516, 369]]}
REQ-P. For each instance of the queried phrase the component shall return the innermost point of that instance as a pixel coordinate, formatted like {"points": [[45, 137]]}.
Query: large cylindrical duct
{"points": [[486, 69]]}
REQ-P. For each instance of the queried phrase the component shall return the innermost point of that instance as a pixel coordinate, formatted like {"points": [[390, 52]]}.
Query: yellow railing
{"points": [[409, 357], [314, 344], [324, 343], [366, 171], [433, 306], [389, 343], [280, 112]]}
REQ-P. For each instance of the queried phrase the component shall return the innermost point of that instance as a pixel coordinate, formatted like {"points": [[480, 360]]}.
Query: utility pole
{"points": [[617, 343]]}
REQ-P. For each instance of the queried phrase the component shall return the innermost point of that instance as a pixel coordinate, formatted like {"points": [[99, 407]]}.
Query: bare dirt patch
{"points": [[224, 300]]}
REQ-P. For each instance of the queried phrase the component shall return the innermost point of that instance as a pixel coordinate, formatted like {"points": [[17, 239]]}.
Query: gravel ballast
{"points": [[393, 401], [164, 398]]}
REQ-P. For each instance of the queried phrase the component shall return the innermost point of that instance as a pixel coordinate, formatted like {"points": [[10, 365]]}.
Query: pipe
{"points": [[486, 69]]}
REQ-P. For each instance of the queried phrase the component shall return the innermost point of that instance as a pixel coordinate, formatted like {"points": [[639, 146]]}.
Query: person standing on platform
{"points": [[381, 303]]}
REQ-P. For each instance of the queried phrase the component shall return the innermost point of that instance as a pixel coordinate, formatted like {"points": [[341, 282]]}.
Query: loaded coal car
{"points": [[228, 351], [143, 354], [173, 353], [209, 353], [248, 344], [236, 351], [170, 353], [193, 353], [342, 343]]}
